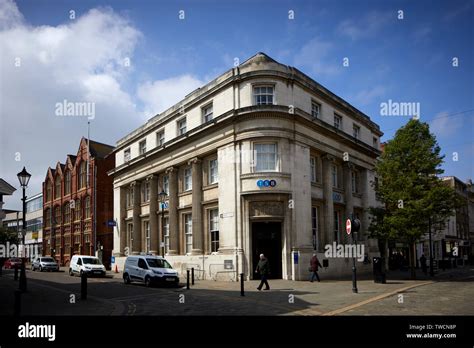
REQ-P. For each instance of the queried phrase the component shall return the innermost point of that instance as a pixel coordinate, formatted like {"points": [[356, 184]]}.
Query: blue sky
{"points": [[405, 60]]}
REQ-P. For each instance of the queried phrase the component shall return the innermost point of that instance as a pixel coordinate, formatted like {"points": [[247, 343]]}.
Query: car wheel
{"points": [[147, 282], [126, 278], [71, 273]]}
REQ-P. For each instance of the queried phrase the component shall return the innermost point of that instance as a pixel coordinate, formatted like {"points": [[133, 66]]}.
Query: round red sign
{"points": [[348, 226]]}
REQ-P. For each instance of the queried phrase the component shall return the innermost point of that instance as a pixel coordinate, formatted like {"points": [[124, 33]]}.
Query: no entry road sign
{"points": [[348, 226]]}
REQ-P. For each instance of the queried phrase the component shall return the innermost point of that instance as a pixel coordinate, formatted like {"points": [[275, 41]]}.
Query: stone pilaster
{"points": [[122, 223], [154, 233], [196, 206], [137, 224], [328, 235], [173, 210]]}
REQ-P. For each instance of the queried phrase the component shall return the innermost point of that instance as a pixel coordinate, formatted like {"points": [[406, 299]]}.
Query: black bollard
{"points": [[242, 293], [15, 275], [192, 276], [23, 277], [83, 286], [187, 279], [17, 303]]}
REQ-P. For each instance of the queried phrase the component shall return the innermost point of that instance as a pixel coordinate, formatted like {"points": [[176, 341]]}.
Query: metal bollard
{"points": [[15, 275], [192, 276], [187, 279], [84, 286], [242, 293], [23, 277], [17, 303]]}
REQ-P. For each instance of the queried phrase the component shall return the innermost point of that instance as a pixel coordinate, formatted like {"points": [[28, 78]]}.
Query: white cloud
{"points": [[443, 126], [160, 95], [365, 26], [314, 57]]}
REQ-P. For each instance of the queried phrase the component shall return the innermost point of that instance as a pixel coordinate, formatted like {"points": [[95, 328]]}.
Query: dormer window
{"points": [[315, 109], [182, 126], [127, 155], [207, 113]]}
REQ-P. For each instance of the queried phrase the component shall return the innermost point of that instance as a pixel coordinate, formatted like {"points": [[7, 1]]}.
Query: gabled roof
{"points": [[6, 188], [99, 150]]}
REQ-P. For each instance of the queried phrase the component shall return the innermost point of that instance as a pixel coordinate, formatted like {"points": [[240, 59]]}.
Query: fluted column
{"points": [[328, 235], [196, 206], [347, 168], [137, 225], [154, 233], [122, 223], [173, 210]]}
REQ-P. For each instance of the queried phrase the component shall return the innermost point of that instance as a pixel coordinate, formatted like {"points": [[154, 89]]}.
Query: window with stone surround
{"points": [[188, 232], [214, 229], [266, 157]]}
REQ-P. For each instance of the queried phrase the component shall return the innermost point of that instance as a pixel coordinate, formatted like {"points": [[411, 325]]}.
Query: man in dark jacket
{"points": [[263, 268], [315, 264]]}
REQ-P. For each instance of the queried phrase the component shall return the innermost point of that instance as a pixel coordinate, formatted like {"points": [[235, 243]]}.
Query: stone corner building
{"points": [[77, 203], [252, 162]]}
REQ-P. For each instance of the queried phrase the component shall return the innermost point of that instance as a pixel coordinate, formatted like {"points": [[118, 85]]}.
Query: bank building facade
{"points": [[262, 159]]}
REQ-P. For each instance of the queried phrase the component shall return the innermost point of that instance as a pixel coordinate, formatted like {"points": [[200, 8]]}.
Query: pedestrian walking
{"points": [[423, 264], [314, 267], [263, 268]]}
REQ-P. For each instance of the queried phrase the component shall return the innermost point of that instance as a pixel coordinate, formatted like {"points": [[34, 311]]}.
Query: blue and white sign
{"points": [[112, 259], [266, 183], [111, 223], [164, 205]]}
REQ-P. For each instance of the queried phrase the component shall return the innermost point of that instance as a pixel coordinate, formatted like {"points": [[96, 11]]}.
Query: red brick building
{"points": [[77, 203]]}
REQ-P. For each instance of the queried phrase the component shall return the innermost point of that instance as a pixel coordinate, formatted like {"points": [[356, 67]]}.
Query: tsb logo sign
{"points": [[266, 183]]}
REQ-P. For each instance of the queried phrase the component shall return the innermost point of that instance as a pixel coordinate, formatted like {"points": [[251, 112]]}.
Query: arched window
{"points": [[57, 215], [82, 174], [78, 210], [47, 217], [67, 182], [87, 207], [57, 187], [67, 213], [48, 190]]}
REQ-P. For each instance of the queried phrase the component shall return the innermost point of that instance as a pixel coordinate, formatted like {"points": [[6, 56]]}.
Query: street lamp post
{"points": [[24, 178], [163, 195]]}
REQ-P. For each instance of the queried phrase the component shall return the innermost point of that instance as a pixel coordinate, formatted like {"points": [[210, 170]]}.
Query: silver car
{"points": [[45, 264]]}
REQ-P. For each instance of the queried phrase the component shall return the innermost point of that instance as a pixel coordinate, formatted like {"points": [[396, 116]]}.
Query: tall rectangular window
{"points": [[336, 226], [160, 138], [188, 232], [213, 177], [82, 174], [142, 147], [127, 155], [188, 179], [166, 184], [214, 229], [315, 109], [146, 227], [313, 168], [356, 131], [355, 181], [146, 191], [57, 187], [314, 227], [338, 121], [87, 207], [67, 183], [130, 197], [263, 95], [130, 236], [207, 113], [334, 175], [182, 126], [266, 157], [166, 233]]}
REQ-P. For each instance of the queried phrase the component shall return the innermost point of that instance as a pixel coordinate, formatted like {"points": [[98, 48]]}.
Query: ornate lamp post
{"points": [[24, 178], [162, 196]]}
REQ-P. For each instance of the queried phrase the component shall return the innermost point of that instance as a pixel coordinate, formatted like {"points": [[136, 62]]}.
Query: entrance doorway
{"points": [[266, 239]]}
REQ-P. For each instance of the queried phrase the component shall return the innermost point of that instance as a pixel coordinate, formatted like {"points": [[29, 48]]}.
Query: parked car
{"points": [[149, 270], [12, 263], [89, 265], [45, 264]]}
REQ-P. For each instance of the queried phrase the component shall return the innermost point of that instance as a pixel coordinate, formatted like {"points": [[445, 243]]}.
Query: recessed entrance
{"points": [[266, 239]]}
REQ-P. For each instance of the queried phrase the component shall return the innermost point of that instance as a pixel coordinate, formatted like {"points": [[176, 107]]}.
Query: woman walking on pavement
{"points": [[315, 264]]}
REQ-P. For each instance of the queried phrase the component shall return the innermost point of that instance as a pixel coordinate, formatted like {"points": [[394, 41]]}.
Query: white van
{"points": [[89, 265], [149, 270]]}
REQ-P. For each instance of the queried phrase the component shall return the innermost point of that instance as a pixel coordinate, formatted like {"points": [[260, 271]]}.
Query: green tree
{"points": [[410, 188], [6, 236]]}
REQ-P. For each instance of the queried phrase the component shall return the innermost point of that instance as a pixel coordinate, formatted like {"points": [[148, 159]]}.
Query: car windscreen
{"points": [[157, 263], [47, 259], [91, 261]]}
